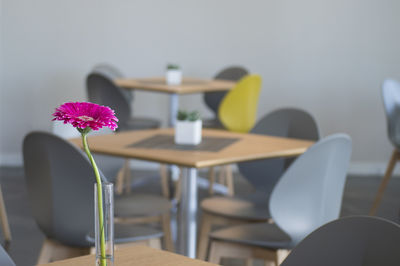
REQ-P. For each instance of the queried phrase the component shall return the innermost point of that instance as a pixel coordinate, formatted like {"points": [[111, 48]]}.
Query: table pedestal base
{"points": [[187, 226]]}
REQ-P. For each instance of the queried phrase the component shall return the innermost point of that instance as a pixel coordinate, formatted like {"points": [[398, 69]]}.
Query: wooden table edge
{"points": [[292, 152], [121, 82], [203, 164], [126, 251]]}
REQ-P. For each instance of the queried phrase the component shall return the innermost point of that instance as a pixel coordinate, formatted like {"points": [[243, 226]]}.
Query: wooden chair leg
{"points": [[221, 175], [384, 182], [219, 250], [164, 180], [45, 252], [215, 253], [269, 263], [280, 256], [229, 180], [211, 180], [4, 219], [128, 176], [208, 220], [166, 225], [225, 178], [205, 229], [153, 243], [271, 257], [53, 251], [93, 249], [119, 181]]}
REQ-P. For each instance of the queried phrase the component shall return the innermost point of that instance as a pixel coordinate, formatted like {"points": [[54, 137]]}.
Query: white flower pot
{"points": [[174, 76], [188, 132]]}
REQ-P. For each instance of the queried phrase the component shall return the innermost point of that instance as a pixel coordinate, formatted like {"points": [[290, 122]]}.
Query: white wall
{"points": [[326, 56]]}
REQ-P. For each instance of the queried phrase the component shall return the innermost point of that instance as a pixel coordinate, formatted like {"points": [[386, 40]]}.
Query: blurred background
{"points": [[327, 57]]}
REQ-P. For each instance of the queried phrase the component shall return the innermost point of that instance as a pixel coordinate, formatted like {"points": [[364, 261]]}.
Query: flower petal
{"points": [[86, 114]]}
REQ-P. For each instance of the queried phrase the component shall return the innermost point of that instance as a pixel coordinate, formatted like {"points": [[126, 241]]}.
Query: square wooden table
{"points": [[157, 145], [136, 256], [188, 86]]}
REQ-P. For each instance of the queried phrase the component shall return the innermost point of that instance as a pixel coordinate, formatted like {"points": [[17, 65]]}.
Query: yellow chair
{"points": [[238, 109], [237, 112]]}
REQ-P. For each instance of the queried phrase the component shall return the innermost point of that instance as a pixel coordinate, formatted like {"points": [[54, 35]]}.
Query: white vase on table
{"points": [[174, 76], [188, 132]]}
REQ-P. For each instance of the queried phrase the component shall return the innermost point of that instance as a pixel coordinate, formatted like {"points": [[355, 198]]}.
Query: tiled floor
{"points": [[27, 238]]}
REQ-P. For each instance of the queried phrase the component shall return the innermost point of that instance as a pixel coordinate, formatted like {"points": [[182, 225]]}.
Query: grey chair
{"points": [[102, 90], [351, 241], [391, 102], [112, 73], [5, 260], [213, 99], [262, 174], [110, 165], [308, 195], [60, 181], [109, 70]]}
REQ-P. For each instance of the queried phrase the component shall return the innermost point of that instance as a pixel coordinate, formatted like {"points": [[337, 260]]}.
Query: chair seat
{"points": [[136, 123], [260, 234], [124, 233], [250, 209], [140, 205], [212, 123]]}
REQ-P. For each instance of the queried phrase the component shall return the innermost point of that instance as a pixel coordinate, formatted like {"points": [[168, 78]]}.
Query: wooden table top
{"points": [[189, 85], [136, 255], [247, 147]]}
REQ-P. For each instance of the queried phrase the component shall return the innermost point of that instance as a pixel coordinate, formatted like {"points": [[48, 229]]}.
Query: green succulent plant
{"points": [[173, 67], [182, 115], [189, 116], [194, 116]]}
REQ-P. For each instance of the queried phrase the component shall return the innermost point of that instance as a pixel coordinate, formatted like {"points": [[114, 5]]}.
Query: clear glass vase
{"points": [[104, 224]]}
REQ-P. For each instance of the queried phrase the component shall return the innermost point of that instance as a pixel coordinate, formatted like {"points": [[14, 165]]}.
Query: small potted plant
{"points": [[174, 74], [188, 128]]}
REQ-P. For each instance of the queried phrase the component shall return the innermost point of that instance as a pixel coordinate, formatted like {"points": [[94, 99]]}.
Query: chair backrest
{"points": [[309, 194], [5, 259], [285, 122], [351, 241], [108, 70], [238, 109], [103, 91], [391, 101], [60, 182], [109, 164], [111, 72], [213, 99]]}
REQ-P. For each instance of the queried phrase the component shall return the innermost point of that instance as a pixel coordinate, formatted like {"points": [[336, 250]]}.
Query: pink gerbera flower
{"points": [[84, 115]]}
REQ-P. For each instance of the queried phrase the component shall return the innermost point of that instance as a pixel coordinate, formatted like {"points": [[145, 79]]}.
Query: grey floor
{"points": [[27, 238]]}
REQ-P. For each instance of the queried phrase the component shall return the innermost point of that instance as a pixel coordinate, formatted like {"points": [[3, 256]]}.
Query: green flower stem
{"points": [[103, 259]]}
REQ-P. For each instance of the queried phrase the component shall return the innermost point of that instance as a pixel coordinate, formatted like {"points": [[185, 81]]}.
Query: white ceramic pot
{"points": [[174, 76], [188, 132]]}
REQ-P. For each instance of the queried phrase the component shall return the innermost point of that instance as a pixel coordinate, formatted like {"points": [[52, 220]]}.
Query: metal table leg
{"points": [[173, 111], [173, 108], [187, 221]]}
